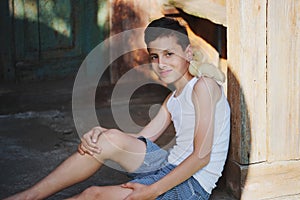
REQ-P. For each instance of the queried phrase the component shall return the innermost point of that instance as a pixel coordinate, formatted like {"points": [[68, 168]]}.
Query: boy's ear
{"points": [[189, 53]]}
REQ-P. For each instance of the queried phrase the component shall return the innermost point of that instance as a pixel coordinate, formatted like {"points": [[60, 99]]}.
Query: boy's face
{"points": [[169, 60]]}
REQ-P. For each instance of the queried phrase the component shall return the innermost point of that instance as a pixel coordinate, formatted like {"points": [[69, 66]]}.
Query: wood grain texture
{"points": [[283, 84], [214, 10], [269, 180], [246, 51]]}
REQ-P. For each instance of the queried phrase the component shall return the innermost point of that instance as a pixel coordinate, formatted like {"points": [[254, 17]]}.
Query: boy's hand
{"points": [[140, 191], [89, 141]]}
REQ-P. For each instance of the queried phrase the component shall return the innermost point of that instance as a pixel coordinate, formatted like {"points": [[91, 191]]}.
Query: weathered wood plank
{"points": [[272, 180], [7, 71], [264, 180], [60, 24], [31, 34], [283, 83], [49, 38], [246, 52], [214, 10], [56, 24], [19, 16]]}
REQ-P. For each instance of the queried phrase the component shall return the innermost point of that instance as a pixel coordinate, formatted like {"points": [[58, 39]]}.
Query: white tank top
{"points": [[182, 112]]}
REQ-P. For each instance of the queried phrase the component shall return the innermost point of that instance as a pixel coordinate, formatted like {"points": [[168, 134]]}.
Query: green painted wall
{"points": [[48, 39]]}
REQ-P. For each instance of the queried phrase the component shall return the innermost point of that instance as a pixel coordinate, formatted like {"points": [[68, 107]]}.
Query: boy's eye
{"points": [[153, 57], [169, 54]]}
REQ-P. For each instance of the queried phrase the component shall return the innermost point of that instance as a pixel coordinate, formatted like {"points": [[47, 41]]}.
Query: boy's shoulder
{"points": [[204, 81], [206, 86]]}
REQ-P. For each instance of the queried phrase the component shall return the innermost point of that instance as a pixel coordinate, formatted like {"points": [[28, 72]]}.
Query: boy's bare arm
{"points": [[152, 131], [158, 124]]}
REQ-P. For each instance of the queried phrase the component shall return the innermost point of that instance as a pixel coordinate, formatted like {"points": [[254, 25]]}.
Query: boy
{"points": [[190, 169]]}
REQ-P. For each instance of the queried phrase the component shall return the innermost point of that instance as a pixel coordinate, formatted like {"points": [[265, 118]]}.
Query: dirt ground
{"points": [[37, 133]]}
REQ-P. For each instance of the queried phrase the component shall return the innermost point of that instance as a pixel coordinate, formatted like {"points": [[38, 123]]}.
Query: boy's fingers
{"points": [[86, 150], [104, 129], [80, 151], [89, 141], [129, 185], [96, 133], [87, 138], [126, 185]]}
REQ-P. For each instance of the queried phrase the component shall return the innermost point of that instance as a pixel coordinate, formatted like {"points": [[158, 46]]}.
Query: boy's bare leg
{"points": [[104, 192], [126, 150], [73, 170]]}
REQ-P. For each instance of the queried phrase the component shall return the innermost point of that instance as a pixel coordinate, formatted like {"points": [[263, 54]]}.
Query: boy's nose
{"points": [[161, 66], [161, 63]]}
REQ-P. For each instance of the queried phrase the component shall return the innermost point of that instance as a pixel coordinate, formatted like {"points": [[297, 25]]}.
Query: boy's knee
{"points": [[111, 142], [113, 137]]}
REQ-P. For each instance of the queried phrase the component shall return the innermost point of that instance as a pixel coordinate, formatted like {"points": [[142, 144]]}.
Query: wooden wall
{"points": [[264, 66], [283, 80]]}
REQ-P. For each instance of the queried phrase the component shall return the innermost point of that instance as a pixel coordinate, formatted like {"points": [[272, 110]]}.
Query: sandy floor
{"points": [[37, 133]]}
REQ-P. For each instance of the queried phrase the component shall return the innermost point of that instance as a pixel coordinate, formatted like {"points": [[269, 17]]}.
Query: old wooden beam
{"points": [[214, 10], [246, 53], [283, 83], [246, 43]]}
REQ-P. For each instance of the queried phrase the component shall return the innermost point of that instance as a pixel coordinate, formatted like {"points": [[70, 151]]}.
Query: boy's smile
{"points": [[169, 60], [165, 73]]}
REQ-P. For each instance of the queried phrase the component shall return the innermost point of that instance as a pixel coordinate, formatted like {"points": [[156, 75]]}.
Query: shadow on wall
{"points": [[125, 17], [236, 170], [212, 33]]}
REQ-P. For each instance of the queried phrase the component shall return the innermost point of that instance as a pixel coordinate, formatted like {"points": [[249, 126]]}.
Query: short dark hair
{"points": [[166, 26]]}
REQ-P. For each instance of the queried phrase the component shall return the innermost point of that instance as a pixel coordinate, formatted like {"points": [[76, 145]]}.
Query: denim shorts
{"points": [[155, 167]]}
